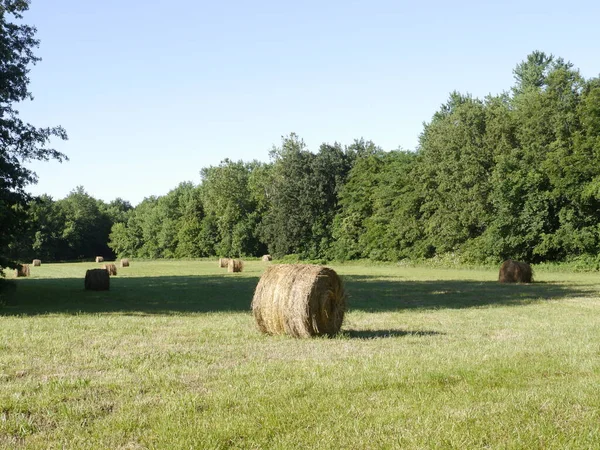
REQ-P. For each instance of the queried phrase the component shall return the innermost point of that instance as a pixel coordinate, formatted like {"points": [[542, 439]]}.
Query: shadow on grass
{"points": [[376, 294], [377, 334], [199, 294]]}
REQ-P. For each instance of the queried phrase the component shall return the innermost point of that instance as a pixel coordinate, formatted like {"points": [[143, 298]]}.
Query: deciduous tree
{"points": [[19, 141]]}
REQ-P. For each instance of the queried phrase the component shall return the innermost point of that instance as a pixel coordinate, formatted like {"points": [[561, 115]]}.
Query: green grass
{"points": [[428, 358]]}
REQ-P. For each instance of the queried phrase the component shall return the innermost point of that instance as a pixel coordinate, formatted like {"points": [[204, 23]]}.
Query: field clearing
{"points": [[428, 358]]}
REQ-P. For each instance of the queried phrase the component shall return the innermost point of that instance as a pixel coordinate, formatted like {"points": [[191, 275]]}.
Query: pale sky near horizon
{"points": [[152, 91]]}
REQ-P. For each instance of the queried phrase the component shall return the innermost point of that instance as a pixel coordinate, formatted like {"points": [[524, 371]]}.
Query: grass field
{"points": [[428, 358]]}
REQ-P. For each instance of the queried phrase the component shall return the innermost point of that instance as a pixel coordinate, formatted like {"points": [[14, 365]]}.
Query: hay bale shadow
{"points": [[371, 294], [382, 334]]}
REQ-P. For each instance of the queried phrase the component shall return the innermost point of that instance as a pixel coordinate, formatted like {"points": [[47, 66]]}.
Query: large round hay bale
{"points": [[515, 272], [223, 262], [22, 271], [97, 280], [300, 300], [99, 259], [125, 262], [235, 265], [110, 268], [37, 262], [267, 258]]}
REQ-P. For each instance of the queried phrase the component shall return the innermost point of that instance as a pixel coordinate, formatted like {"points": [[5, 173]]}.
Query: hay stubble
{"points": [[518, 374]]}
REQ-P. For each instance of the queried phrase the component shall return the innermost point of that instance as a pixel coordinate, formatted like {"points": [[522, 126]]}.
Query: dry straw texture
{"points": [[223, 262], [124, 262], [99, 259], [97, 280], [267, 258], [515, 272], [300, 300], [23, 271], [37, 262], [110, 268], [235, 265]]}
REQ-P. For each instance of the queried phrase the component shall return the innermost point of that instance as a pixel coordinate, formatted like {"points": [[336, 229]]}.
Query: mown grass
{"points": [[428, 358]]}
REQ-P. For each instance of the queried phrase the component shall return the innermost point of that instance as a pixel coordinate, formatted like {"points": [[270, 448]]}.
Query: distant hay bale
{"points": [[515, 272], [110, 268], [37, 262], [99, 259], [235, 265], [223, 262], [267, 258], [22, 271], [8, 288], [300, 300], [97, 280], [125, 262]]}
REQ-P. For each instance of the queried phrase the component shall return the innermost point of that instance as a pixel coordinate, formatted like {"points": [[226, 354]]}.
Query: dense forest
{"points": [[515, 175]]}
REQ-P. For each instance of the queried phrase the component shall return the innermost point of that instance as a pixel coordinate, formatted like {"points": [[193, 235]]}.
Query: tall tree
{"points": [[86, 225], [540, 213], [453, 174], [356, 200], [229, 203], [304, 194], [19, 141], [189, 235], [44, 232], [532, 73], [118, 210]]}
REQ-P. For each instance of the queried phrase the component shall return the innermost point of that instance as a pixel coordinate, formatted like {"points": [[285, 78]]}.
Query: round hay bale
{"points": [[515, 272], [235, 265], [223, 262], [8, 289], [22, 271], [97, 280], [110, 268], [99, 259], [300, 300], [37, 262], [125, 262], [267, 258]]}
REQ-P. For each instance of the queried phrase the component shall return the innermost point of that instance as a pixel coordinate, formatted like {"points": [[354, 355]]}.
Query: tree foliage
{"points": [[19, 141], [303, 196], [514, 175], [229, 201]]}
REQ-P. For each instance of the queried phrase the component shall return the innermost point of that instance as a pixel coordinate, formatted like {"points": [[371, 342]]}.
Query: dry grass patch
{"points": [[170, 358]]}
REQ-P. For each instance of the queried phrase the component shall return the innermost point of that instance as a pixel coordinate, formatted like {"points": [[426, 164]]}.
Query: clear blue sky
{"points": [[151, 91]]}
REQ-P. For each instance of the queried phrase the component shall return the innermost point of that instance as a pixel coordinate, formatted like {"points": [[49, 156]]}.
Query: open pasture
{"points": [[170, 358]]}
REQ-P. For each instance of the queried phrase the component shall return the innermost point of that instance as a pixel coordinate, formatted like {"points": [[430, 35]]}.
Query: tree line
{"points": [[74, 228], [513, 175]]}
